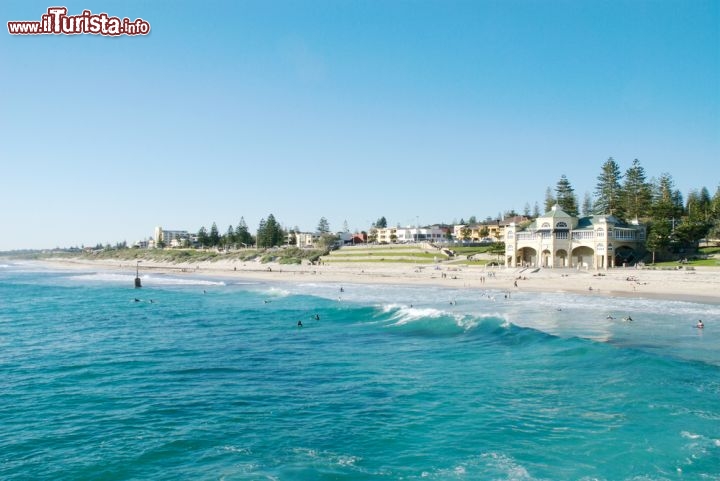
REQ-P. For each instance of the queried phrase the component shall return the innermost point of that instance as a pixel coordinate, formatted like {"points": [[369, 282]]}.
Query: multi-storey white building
{"points": [[311, 239], [410, 234], [557, 239], [306, 239], [171, 238]]}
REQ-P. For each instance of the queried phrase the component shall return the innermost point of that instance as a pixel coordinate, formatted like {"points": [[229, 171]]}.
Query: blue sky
{"points": [[351, 110]]}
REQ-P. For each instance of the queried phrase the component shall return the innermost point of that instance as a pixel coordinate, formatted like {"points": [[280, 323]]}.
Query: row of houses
{"points": [[555, 239]]}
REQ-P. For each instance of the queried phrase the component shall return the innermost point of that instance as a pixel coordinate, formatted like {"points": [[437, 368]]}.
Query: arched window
{"points": [[561, 225], [545, 225]]}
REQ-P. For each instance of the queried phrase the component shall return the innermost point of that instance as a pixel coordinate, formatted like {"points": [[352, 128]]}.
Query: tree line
{"points": [[674, 223], [269, 234]]}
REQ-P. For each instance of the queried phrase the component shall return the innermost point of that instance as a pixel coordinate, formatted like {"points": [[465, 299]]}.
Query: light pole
{"points": [[138, 284]]}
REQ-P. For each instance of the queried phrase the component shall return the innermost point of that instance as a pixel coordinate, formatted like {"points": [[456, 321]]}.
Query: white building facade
{"points": [[171, 238], [404, 235], [557, 239]]}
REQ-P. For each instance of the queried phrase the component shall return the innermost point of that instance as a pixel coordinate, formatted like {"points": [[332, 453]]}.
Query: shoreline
{"points": [[701, 285]]}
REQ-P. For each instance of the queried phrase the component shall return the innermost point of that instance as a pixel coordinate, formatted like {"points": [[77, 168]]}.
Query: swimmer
{"points": [[628, 319], [299, 324], [317, 317], [700, 325], [137, 300], [610, 318]]}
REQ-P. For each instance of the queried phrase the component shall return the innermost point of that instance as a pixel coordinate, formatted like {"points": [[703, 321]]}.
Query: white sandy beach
{"points": [[701, 284]]}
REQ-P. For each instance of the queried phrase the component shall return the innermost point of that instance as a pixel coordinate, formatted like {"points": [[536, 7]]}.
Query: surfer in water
{"points": [[299, 324], [628, 319], [700, 325], [317, 317]]}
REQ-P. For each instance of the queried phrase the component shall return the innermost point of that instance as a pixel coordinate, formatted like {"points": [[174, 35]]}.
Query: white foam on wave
{"points": [[277, 292], [4, 266], [404, 314]]}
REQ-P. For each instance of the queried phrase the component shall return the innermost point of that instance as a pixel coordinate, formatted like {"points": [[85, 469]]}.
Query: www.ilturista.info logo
{"points": [[57, 21]]}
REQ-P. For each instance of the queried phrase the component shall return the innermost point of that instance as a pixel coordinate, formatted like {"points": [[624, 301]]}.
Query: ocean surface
{"points": [[210, 379]]}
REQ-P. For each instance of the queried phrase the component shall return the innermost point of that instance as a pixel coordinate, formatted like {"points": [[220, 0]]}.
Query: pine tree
{"points": [[587, 205], [549, 200], [229, 238], [203, 238], [536, 210], [636, 193], [262, 234], [323, 226], [242, 234], [274, 234], [705, 203], [608, 193], [663, 202], [715, 215], [715, 205], [565, 196], [696, 223], [214, 235]]}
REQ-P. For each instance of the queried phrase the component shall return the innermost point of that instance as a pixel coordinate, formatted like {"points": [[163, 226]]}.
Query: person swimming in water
{"points": [[299, 324], [317, 317], [627, 319], [700, 325]]}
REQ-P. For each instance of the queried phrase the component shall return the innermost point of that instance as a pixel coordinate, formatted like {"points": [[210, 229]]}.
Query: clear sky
{"points": [[426, 111]]}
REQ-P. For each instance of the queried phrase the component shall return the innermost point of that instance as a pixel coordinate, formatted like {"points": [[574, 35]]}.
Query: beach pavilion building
{"points": [[557, 239]]}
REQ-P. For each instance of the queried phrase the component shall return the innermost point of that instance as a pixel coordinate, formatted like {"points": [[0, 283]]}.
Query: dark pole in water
{"points": [[138, 284]]}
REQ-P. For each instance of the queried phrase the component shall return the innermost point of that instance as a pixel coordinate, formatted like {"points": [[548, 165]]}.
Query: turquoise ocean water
{"points": [[213, 380]]}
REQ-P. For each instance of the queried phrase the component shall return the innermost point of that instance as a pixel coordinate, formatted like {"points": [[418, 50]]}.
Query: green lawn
{"points": [[378, 260], [675, 264], [427, 255]]}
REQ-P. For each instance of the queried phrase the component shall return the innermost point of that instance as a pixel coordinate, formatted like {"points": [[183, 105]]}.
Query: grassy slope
{"points": [[283, 256], [403, 254]]}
